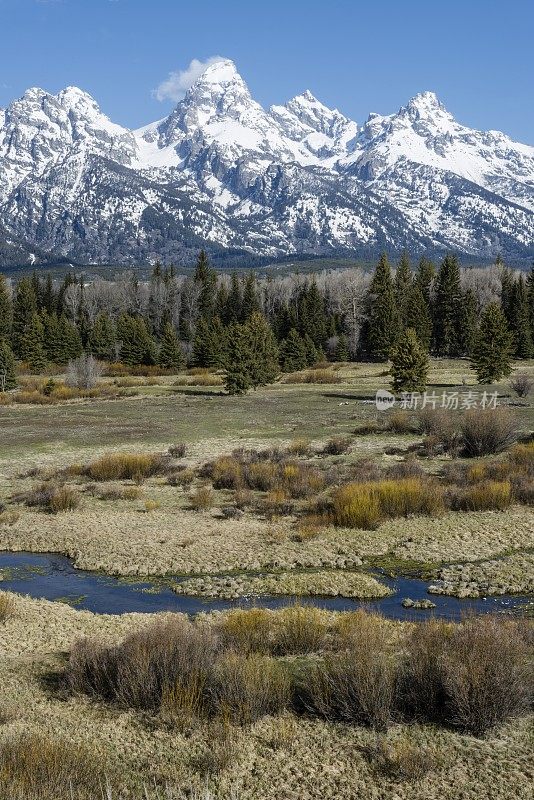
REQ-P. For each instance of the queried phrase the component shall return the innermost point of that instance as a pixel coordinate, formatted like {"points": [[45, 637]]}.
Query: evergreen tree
{"points": [[206, 278], [24, 308], [312, 354], [8, 379], [293, 352], [530, 300], [70, 339], [234, 304], [170, 354], [493, 346], [52, 345], [262, 366], [409, 364], [137, 346], [49, 297], [403, 284], [32, 344], [425, 276], [507, 293], [520, 327], [467, 322], [209, 344], [447, 308], [250, 303], [383, 320], [342, 349], [102, 338], [237, 378], [313, 323], [417, 315], [6, 309]]}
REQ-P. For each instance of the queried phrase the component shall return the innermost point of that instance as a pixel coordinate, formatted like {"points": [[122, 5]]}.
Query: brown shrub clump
{"points": [[487, 431], [203, 499], [51, 498], [127, 466], [366, 505]]}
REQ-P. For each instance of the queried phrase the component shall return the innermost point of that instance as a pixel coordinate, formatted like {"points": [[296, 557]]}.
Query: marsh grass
{"points": [[7, 606], [127, 466], [366, 505]]}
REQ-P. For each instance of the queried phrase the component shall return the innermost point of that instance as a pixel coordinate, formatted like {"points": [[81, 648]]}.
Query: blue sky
{"points": [[477, 55]]}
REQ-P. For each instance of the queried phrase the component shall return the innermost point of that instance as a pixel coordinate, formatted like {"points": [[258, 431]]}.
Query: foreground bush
{"points": [[474, 675], [51, 498]]}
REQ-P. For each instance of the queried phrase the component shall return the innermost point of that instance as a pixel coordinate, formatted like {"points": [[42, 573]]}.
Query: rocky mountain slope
{"points": [[223, 172]]}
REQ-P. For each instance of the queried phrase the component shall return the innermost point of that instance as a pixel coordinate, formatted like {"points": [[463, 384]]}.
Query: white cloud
{"points": [[176, 85]]}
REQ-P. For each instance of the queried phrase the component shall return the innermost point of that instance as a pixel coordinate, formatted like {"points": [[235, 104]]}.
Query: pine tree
{"points": [[6, 309], [293, 352], [52, 345], [383, 319], [312, 354], [530, 300], [425, 276], [70, 339], [32, 344], [234, 304], [314, 319], [102, 338], [170, 354], [447, 308], [493, 346], [209, 344], [409, 364], [137, 346], [8, 379], [342, 349], [262, 366], [417, 315], [467, 322], [403, 284], [49, 297], [237, 378], [520, 327], [206, 278], [250, 303], [24, 308]]}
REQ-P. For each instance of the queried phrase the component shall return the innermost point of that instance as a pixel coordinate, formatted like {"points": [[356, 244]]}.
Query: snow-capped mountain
{"points": [[223, 172]]}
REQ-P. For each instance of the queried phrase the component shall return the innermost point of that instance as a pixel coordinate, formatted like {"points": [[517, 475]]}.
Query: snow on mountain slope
{"points": [[222, 171], [423, 132]]}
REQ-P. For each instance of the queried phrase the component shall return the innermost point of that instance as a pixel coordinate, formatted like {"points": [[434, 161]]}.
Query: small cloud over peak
{"points": [[177, 83]]}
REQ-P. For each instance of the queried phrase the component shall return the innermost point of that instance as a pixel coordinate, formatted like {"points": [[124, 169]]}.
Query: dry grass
{"points": [[50, 498], [486, 496], [315, 375], [7, 606], [401, 760], [203, 499]]}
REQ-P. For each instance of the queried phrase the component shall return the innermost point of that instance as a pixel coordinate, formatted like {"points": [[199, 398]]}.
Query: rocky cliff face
{"points": [[221, 171]]}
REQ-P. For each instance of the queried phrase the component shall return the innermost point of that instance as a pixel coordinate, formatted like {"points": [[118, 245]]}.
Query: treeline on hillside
{"points": [[253, 328]]}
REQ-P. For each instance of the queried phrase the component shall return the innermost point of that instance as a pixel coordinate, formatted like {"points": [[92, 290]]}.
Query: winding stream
{"points": [[53, 577]]}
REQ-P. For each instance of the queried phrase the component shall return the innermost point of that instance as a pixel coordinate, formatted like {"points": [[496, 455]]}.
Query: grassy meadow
{"points": [[299, 488]]}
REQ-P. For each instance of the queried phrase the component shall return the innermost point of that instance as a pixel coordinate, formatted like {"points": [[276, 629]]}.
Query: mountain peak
{"points": [[219, 72], [424, 103]]}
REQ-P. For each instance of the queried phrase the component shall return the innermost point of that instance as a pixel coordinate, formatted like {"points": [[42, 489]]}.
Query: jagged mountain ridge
{"points": [[223, 172]]}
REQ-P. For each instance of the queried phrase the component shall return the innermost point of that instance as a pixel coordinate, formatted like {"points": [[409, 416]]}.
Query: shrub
{"points": [[203, 499], [231, 512], [473, 675], [487, 496], [365, 505], [126, 493], [313, 375], [51, 498], [178, 450], [7, 606], [299, 629], [247, 631], [261, 475], [400, 422], [522, 384], [127, 466], [151, 505], [441, 429], [337, 446], [182, 477], [487, 431], [226, 473], [301, 480], [245, 688], [486, 673], [357, 686], [145, 666], [33, 766], [300, 447], [276, 504]]}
